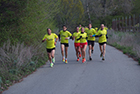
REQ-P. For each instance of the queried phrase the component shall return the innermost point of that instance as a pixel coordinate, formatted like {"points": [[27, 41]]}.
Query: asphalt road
{"points": [[118, 74]]}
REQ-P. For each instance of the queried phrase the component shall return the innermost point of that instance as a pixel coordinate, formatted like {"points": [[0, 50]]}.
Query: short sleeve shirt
{"points": [[91, 32], [83, 39], [63, 35], [75, 34], [103, 37], [50, 39]]}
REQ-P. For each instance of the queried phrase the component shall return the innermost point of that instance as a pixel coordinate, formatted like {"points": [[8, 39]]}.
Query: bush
{"points": [[17, 61], [128, 42]]}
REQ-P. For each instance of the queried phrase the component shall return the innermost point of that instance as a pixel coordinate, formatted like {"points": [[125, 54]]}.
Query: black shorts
{"points": [[90, 42], [50, 50], [65, 44], [102, 43]]}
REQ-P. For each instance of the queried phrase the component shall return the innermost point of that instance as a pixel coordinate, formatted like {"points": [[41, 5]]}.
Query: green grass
{"points": [[126, 50]]}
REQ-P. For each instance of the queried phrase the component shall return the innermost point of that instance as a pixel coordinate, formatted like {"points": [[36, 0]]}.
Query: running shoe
{"points": [[63, 59], [103, 58], [78, 59], [79, 55], [92, 51], [53, 60], [66, 61], [51, 65], [90, 58], [101, 55], [83, 60]]}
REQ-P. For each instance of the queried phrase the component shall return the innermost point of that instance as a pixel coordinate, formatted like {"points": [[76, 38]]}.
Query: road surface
{"points": [[118, 74]]}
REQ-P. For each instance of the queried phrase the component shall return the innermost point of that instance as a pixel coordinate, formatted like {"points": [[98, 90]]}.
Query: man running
{"points": [[91, 40], [83, 43], [65, 36], [77, 43], [102, 34], [51, 40]]}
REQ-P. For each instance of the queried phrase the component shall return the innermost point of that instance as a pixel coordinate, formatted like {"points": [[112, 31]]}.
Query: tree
{"points": [[71, 13]]}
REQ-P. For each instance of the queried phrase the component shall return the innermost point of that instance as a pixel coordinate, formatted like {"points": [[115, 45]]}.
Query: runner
{"points": [[65, 36], [51, 39], [80, 26], [83, 43], [86, 28], [77, 43], [102, 34], [96, 29], [91, 40]]}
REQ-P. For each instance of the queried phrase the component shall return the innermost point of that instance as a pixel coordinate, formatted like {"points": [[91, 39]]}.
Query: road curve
{"points": [[118, 74]]}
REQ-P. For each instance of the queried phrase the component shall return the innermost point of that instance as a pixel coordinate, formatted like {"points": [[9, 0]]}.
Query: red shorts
{"points": [[77, 44], [83, 44]]}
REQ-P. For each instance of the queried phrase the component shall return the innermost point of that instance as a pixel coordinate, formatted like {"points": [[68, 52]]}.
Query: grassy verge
{"points": [[127, 42], [18, 61]]}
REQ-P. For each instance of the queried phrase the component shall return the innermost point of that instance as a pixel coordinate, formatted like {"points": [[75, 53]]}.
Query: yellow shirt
{"points": [[83, 39], [63, 35], [106, 28], [96, 28], [86, 29], [50, 39], [75, 34], [80, 29], [91, 32], [103, 37]]}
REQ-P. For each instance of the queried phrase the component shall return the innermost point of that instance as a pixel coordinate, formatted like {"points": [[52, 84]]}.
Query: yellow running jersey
{"points": [[50, 39], [84, 36], [86, 29], [96, 28], [80, 29], [75, 34], [103, 37], [63, 35], [91, 32]]}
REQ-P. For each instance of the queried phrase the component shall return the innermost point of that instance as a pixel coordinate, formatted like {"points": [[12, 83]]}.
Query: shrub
{"points": [[19, 60], [128, 42]]}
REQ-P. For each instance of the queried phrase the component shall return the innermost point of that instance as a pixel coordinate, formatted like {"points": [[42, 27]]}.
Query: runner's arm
{"points": [[106, 36], [96, 35], [79, 38], [43, 40]]}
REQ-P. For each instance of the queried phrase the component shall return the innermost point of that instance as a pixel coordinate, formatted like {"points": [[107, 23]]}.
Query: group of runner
{"points": [[82, 37]]}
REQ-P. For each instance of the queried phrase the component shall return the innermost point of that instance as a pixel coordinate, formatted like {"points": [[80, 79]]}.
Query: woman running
{"points": [[65, 36], [83, 43], [77, 43], [102, 34], [90, 40], [51, 40]]}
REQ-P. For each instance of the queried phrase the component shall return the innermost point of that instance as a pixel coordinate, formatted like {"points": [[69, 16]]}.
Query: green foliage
{"points": [[26, 21], [139, 61], [126, 50], [136, 9], [17, 61], [1, 81], [71, 13]]}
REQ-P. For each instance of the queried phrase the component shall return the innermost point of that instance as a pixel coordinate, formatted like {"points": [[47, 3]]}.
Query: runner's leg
{"points": [[49, 56], [62, 50], [89, 51], [104, 50], [84, 50], [76, 50], [52, 55], [66, 54], [101, 50]]}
